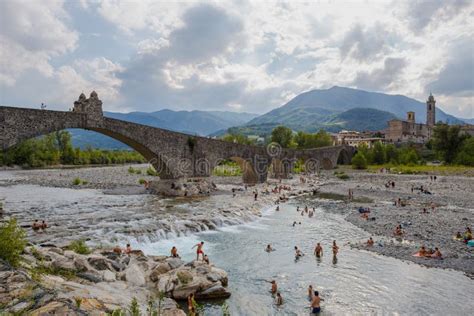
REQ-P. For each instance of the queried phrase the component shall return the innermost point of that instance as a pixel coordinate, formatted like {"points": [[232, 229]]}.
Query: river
{"points": [[359, 282]]}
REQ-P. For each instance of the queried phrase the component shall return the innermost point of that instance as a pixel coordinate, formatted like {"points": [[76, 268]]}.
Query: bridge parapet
{"points": [[92, 107]]}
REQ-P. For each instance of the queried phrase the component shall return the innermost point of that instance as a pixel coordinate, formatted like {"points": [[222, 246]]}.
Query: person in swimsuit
{"points": [[128, 249], [315, 308], [206, 259], [199, 249], [269, 248], [274, 287], [36, 225], [174, 252], [279, 299], [298, 253], [335, 248], [370, 242], [43, 225], [437, 254], [310, 292], [422, 252], [191, 304], [318, 251]]}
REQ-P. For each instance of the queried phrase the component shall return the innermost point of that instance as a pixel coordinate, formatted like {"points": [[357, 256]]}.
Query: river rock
{"points": [[53, 308], [174, 263], [63, 263], [109, 276], [159, 270], [118, 266], [134, 275], [184, 276], [166, 283], [89, 277], [98, 262], [182, 291], [69, 254], [81, 264], [216, 291]]}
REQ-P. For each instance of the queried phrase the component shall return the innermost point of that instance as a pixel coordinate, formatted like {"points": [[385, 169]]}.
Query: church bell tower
{"points": [[430, 111]]}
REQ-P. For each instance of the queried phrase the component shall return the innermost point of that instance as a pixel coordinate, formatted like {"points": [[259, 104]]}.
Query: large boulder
{"points": [[160, 269], [98, 262], [109, 276], [174, 263], [135, 275], [184, 276], [167, 283], [81, 264], [215, 291], [63, 263]]}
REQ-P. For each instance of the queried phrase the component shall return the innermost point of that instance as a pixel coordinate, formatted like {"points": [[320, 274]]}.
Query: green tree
{"points": [[12, 242], [359, 161], [391, 154], [447, 141], [465, 155], [378, 153], [238, 138], [283, 136]]}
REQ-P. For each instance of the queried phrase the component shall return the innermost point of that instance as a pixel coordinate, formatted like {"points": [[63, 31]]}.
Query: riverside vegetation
{"points": [[56, 148]]}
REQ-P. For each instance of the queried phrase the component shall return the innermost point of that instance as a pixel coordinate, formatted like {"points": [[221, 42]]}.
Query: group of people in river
{"points": [[37, 225]]}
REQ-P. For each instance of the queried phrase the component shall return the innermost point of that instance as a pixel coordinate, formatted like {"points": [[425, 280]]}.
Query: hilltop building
{"points": [[400, 131], [355, 139]]}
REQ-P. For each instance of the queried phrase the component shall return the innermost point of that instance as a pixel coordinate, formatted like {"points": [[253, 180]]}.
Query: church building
{"points": [[400, 131]]}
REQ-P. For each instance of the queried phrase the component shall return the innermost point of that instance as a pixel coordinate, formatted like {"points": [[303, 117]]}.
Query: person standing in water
{"points": [[316, 300], [199, 249], [191, 304], [279, 299], [318, 251], [310, 292], [335, 249]]}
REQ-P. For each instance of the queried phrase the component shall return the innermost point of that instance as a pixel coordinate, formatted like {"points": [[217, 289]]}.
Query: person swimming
{"points": [[269, 248], [298, 253], [315, 303], [36, 225]]}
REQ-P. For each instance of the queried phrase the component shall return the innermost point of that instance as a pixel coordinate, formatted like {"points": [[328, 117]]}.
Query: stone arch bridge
{"points": [[174, 155]]}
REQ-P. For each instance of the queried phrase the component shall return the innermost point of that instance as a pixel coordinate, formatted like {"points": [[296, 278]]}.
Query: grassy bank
{"points": [[425, 169]]}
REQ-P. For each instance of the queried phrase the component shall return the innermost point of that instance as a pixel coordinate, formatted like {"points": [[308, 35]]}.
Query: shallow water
{"points": [[360, 282]]}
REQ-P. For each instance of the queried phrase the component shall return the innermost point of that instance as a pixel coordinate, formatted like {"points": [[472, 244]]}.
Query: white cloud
{"points": [[243, 55], [32, 33]]}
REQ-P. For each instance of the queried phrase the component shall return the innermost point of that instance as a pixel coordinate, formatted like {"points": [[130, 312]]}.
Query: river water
{"points": [[360, 282]]}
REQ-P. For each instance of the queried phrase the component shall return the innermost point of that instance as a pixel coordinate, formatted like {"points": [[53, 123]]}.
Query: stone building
{"points": [[400, 131]]}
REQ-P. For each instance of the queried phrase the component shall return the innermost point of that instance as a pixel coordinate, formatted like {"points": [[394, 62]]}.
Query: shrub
{"points": [[131, 169], [12, 242], [342, 176], [76, 181], [134, 309], [141, 181], [359, 161], [151, 171], [80, 247]]}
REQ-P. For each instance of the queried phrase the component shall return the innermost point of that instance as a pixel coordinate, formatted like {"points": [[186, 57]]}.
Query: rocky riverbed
{"points": [[451, 196], [54, 280]]}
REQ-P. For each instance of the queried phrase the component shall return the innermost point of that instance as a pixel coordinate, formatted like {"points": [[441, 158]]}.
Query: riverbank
{"points": [[124, 217], [53, 280], [452, 197]]}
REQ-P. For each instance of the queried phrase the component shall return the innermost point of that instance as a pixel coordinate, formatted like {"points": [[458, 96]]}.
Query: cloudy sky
{"points": [[242, 55]]}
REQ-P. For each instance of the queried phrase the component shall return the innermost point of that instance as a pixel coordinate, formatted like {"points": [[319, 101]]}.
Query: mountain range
{"points": [[331, 109]]}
